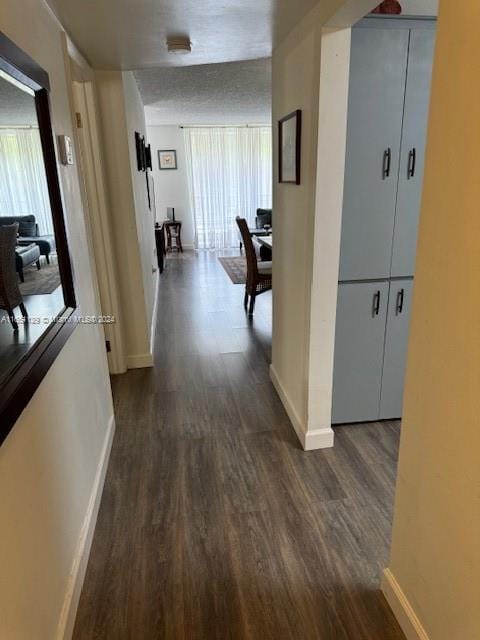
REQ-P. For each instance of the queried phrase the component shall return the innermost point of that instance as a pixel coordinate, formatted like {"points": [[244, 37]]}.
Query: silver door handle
{"points": [[387, 161], [412, 163], [400, 301]]}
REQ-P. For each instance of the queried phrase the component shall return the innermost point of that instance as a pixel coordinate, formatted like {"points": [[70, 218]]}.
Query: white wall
{"points": [[296, 67], [50, 461], [419, 7], [171, 187], [135, 115], [121, 115], [435, 557]]}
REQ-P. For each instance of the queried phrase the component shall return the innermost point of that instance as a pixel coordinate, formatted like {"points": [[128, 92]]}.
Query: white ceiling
{"points": [[230, 93], [16, 106], [132, 34]]}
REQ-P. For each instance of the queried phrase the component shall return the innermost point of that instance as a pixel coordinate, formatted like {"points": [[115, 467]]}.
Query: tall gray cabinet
{"points": [[390, 74]]}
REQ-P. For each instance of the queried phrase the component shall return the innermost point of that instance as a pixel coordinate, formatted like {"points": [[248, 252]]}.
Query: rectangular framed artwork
{"points": [[289, 147], [167, 159]]}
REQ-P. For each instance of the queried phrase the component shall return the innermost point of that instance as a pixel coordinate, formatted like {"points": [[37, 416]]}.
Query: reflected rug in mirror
{"points": [[40, 282], [236, 268]]}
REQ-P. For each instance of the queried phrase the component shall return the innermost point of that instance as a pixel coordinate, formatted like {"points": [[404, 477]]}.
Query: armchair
{"points": [[10, 295]]}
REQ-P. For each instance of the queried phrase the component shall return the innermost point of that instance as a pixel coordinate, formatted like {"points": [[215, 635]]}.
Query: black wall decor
{"points": [[148, 157]]}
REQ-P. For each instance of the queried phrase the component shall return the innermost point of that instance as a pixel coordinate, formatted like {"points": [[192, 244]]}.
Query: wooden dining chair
{"points": [[259, 274], [10, 295]]}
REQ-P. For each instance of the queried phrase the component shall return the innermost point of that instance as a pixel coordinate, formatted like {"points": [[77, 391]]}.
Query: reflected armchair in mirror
{"points": [[10, 295], [35, 272]]}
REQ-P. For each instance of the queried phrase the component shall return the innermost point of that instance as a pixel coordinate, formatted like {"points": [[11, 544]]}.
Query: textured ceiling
{"points": [[131, 34], [230, 93], [16, 106]]}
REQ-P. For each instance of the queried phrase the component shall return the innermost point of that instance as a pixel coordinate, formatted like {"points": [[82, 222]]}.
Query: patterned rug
{"points": [[236, 268], [40, 282]]}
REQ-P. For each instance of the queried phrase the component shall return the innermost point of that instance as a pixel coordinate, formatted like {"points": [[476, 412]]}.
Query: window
{"points": [[230, 174]]}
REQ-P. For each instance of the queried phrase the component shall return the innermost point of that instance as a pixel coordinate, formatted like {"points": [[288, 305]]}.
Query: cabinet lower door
{"points": [[359, 345], [396, 343]]}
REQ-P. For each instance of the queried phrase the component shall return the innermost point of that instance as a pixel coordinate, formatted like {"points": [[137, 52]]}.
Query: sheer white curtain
{"points": [[230, 174], [23, 185]]}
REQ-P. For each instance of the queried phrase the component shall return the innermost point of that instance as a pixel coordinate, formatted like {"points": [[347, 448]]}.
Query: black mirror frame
{"points": [[20, 385]]}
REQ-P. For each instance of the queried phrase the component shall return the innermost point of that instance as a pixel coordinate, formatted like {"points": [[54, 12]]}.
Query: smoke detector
{"points": [[179, 45]]}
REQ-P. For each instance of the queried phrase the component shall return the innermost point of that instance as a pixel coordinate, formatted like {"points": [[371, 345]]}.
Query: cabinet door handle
{"points": [[376, 304], [387, 161], [412, 162], [400, 301]]}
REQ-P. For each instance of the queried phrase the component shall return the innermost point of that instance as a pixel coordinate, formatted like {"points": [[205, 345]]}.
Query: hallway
{"points": [[214, 524]]}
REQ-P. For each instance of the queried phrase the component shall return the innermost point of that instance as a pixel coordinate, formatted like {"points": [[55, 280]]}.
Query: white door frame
{"points": [[99, 221]]}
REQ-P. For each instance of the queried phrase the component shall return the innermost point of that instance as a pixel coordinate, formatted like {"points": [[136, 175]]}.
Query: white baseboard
{"points": [[154, 315], [402, 609], [141, 361], [319, 439], [310, 440], [80, 560]]}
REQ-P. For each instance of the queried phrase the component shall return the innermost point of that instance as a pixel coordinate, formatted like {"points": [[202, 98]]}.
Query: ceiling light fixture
{"points": [[179, 45]]}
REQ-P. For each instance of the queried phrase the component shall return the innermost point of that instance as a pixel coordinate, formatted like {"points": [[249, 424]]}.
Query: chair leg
{"points": [[241, 247], [252, 305], [48, 258], [11, 315], [245, 300], [23, 309], [38, 264]]}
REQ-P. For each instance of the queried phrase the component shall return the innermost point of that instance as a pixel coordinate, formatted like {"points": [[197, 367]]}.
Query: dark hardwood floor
{"points": [[214, 524]]}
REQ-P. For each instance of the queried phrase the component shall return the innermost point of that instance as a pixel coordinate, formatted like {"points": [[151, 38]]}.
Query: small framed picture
{"points": [[289, 144], [167, 159]]}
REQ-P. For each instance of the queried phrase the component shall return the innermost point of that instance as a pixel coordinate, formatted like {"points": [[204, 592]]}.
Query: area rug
{"points": [[40, 282], [236, 268]]}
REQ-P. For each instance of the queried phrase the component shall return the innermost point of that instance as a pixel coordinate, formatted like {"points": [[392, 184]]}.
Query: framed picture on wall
{"points": [[167, 159], [289, 147]]}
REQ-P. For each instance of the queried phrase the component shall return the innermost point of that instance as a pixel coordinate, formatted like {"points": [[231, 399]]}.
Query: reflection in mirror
{"points": [[30, 287]]}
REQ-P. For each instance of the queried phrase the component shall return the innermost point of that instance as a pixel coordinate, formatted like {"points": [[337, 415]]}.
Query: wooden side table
{"points": [[174, 233]]}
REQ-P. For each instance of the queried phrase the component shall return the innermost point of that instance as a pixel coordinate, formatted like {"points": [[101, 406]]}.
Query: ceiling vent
{"points": [[179, 45]]}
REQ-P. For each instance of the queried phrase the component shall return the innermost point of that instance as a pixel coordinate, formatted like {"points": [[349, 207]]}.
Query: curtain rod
{"points": [[224, 126]]}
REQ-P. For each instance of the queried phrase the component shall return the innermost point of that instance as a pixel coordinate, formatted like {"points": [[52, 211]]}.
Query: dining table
{"points": [[265, 240]]}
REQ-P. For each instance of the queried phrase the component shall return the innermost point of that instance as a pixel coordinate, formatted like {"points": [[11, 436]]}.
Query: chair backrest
{"points": [[264, 216], [252, 266], [10, 295]]}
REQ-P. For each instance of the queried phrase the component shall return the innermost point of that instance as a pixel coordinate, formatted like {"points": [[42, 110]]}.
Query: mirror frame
{"points": [[24, 379]]}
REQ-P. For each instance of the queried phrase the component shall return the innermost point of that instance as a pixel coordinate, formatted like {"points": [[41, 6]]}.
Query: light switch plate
{"points": [[65, 147]]}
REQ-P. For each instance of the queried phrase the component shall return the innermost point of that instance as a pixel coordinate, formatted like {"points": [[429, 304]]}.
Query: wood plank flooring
{"points": [[214, 524]]}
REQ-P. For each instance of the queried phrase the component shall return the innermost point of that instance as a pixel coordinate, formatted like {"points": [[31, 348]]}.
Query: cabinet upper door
{"points": [[359, 342], [417, 99], [396, 343], [378, 66]]}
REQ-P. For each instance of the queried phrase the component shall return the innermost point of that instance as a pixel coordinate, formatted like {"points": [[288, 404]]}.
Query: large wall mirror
{"points": [[37, 300]]}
